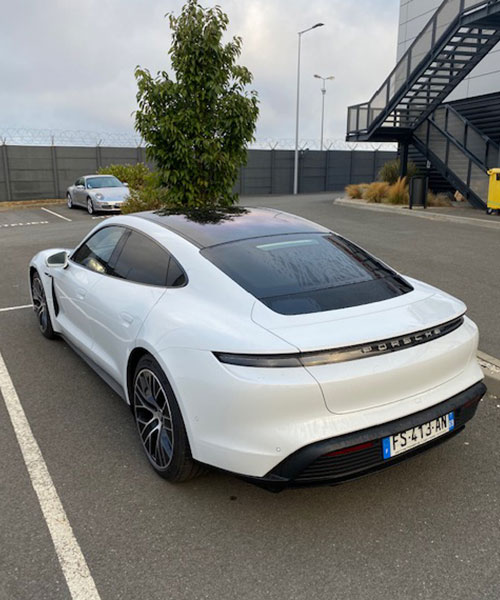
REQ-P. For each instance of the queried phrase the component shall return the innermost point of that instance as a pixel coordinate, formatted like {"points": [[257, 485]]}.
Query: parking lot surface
{"points": [[428, 528]]}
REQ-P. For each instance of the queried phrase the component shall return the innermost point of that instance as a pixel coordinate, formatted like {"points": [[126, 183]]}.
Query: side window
{"points": [[142, 261], [96, 252], [79, 181], [176, 276]]}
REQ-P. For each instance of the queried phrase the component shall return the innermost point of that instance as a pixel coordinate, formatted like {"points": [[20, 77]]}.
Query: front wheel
{"points": [[69, 200], [90, 206], [40, 307], [160, 424]]}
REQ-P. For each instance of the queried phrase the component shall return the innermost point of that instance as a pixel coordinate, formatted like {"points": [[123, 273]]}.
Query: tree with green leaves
{"points": [[197, 126]]}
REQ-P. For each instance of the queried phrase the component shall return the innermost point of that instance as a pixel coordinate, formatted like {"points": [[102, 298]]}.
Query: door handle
{"points": [[126, 318], [81, 293]]}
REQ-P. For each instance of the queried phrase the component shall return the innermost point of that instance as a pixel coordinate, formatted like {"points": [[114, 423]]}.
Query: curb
{"points": [[20, 204], [417, 213]]}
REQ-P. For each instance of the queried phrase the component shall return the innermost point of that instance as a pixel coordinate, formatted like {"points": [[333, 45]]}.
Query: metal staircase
{"points": [[459, 151], [454, 41]]}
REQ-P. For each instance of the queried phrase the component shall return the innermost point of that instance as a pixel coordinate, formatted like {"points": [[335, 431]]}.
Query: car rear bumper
{"points": [[328, 463]]}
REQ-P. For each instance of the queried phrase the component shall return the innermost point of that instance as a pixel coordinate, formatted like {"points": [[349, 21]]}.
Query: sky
{"points": [[69, 64]]}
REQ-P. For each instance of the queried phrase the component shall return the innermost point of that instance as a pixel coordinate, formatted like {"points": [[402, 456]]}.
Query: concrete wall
{"points": [[31, 172], [484, 79]]}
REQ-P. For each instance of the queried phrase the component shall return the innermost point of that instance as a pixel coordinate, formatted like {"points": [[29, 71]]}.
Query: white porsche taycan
{"points": [[262, 344]]}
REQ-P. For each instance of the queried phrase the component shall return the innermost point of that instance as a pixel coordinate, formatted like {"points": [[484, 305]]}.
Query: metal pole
{"points": [[6, 170], [323, 92], [296, 157]]}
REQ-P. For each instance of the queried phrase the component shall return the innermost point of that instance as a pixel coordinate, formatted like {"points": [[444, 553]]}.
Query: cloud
{"points": [[69, 64]]}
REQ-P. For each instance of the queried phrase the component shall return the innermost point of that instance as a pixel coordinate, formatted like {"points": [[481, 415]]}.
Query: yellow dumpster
{"points": [[494, 191]]}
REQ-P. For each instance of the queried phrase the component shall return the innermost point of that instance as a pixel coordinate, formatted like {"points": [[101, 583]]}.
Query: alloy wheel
{"points": [[69, 201], [153, 418], [90, 206]]}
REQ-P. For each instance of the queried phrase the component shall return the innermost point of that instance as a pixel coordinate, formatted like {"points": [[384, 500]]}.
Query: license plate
{"points": [[415, 436]]}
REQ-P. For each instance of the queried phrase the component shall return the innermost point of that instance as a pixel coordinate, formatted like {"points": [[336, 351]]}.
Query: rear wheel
{"points": [[69, 200], [40, 307], [160, 424], [90, 206]]}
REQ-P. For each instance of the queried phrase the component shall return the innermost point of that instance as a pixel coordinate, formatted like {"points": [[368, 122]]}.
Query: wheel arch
{"points": [[133, 360]]}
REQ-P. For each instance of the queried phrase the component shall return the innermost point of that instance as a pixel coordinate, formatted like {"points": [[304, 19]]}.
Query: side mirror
{"points": [[80, 187], [59, 259], [125, 184]]}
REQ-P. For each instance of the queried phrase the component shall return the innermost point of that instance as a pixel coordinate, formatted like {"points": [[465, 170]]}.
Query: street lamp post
{"points": [[323, 92], [296, 161]]}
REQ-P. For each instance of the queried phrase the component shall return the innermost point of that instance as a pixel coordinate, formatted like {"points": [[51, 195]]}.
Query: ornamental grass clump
{"points": [[398, 192], [355, 191], [438, 200], [376, 192], [391, 171]]}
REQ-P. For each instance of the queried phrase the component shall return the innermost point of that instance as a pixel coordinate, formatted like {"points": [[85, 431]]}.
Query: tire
{"points": [[40, 307], [90, 206], [489, 211], [160, 425], [69, 200]]}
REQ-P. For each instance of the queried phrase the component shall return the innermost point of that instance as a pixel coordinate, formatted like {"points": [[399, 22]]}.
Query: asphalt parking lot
{"points": [[428, 529]]}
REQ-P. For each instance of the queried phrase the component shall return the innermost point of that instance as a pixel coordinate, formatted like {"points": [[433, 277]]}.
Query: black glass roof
{"points": [[232, 226]]}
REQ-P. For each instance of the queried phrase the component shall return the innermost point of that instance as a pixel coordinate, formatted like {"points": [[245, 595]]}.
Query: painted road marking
{"points": [[55, 214], [102, 217], [8, 308], [75, 569], [24, 224]]}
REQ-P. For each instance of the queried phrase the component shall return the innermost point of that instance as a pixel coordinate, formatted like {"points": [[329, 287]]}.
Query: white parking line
{"points": [[102, 217], [8, 308], [55, 214], [24, 224], [75, 569]]}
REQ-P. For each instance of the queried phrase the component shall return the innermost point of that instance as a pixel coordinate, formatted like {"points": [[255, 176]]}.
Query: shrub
{"points": [[391, 170], [398, 192], [438, 199], [134, 175], [376, 192], [356, 190], [151, 195]]}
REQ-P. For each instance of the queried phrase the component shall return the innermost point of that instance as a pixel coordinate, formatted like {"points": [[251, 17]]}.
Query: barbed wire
{"points": [[313, 144], [66, 137], [20, 136]]}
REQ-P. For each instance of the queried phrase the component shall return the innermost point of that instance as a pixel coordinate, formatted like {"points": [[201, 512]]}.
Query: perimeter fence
{"points": [[38, 164]]}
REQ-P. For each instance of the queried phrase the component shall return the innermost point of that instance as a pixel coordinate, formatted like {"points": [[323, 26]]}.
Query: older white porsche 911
{"points": [[262, 344]]}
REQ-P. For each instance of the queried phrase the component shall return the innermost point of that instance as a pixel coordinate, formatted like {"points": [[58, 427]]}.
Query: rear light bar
{"points": [[351, 449], [326, 357]]}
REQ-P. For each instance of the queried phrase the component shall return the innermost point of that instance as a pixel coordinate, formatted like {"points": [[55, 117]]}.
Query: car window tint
{"points": [[298, 274], [97, 250], [142, 261], [176, 276]]}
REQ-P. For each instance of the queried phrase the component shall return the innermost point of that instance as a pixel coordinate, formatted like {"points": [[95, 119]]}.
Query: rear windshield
{"points": [[299, 274]]}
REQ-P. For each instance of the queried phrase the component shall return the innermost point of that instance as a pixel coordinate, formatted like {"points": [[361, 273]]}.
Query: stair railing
{"points": [[362, 116]]}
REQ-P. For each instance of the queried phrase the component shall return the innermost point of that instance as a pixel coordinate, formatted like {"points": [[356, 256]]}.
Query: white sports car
{"points": [[262, 344]]}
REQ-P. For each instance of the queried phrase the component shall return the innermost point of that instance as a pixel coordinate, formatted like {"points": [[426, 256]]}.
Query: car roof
{"points": [[98, 175], [233, 226]]}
